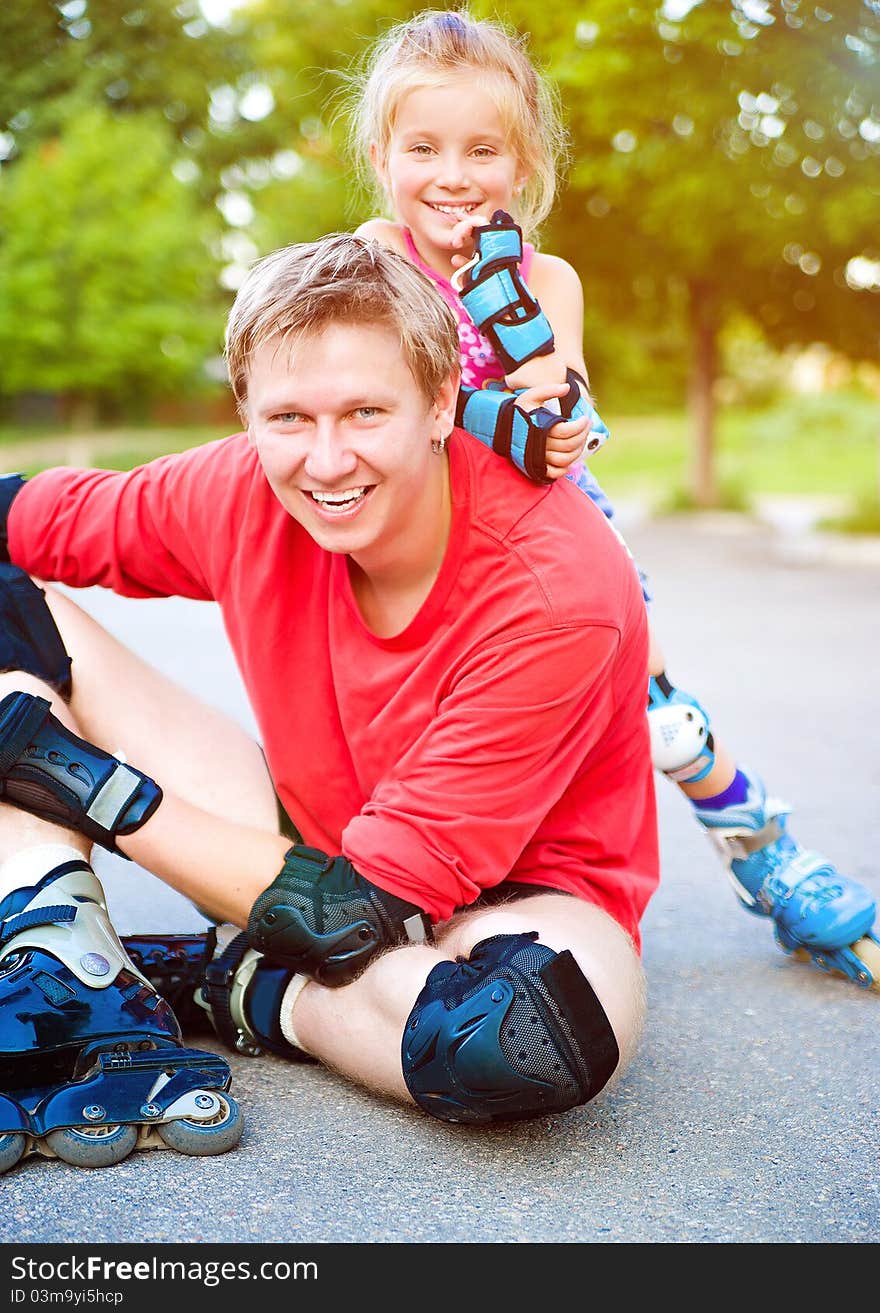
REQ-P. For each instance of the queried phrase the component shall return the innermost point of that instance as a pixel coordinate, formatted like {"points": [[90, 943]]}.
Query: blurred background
{"points": [[721, 205]]}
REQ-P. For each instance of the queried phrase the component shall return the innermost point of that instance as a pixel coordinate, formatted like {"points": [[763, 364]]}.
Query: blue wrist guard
{"points": [[10, 486], [493, 416], [493, 293]]}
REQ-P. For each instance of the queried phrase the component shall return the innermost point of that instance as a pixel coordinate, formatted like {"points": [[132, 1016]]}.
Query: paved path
{"points": [[751, 1112]]}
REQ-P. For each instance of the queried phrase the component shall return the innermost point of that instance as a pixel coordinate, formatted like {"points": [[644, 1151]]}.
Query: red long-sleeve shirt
{"points": [[502, 733]]}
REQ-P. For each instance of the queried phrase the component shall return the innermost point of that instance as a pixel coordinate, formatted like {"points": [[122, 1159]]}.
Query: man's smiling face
{"points": [[344, 435]]}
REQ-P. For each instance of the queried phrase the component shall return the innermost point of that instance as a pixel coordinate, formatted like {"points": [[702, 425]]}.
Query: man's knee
{"points": [[513, 1031]]}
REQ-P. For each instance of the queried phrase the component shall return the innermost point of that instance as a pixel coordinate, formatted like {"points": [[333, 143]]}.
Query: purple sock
{"points": [[736, 791]]}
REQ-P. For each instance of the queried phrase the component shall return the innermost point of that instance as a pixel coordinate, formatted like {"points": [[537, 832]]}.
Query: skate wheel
{"points": [[867, 950], [12, 1146], [216, 1135], [93, 1146]]}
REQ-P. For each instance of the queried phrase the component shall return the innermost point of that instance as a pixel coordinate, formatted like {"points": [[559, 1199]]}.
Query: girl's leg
{"points": [[815, 909], [723, 770]]}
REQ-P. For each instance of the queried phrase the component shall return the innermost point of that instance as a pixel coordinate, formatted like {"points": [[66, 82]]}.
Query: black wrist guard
{"points": [[10, 486], [322, 918]]}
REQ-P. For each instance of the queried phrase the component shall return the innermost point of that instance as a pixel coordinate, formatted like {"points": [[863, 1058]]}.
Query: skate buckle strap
{"points": [[780, 886], [418, 928], [36, 916], [217, 991], [113, 797], [742, 844]]}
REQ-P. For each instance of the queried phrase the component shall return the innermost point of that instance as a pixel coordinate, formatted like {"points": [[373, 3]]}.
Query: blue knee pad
{"points": [[512, 1032], [29, 637], [492, 416]]}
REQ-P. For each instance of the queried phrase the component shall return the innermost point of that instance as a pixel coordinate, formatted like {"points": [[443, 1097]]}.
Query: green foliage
{"points": [[723, 155], [108, 285], [154, 56], [732, 150], [863, 521]]}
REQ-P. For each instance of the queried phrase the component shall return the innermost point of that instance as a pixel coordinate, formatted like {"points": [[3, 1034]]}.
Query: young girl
{"points": [[460, 132]]}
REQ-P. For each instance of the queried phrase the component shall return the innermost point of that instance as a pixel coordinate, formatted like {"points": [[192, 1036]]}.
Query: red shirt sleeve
{"points": [[146, 532]]}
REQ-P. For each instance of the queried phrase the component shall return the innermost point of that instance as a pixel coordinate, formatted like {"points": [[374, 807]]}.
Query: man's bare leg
{"points": [[357, 1029], [215, 836]]}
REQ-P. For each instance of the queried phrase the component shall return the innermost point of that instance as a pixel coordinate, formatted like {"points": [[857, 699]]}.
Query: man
{"points": [[447, 667]]}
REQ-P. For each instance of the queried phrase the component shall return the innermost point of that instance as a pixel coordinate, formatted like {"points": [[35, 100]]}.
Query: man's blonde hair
{"points": [[429, 51], [300, 290]]}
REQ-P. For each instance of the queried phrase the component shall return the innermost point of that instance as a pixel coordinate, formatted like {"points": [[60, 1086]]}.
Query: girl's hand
{"points": [[567, 439], [461, 237]]}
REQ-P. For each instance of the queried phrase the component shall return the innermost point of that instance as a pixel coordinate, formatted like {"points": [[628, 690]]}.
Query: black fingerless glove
{"points": [[321, 917]]}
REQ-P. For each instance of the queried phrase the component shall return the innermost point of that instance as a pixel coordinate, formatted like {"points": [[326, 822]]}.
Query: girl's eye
{"points": [[421, 149], [483, 152]]}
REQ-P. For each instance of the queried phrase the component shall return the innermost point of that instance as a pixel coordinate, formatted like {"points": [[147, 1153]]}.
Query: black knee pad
{"points": [[512, 1032], [29, 637]]}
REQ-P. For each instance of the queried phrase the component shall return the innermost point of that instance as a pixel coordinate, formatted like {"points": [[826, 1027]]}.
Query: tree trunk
{"points": [[701, 393]]}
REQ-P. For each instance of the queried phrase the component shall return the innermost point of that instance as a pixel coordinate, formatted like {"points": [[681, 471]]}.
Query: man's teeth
{"points": [[338, 498]]}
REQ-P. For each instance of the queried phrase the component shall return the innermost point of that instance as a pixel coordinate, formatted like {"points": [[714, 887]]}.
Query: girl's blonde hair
{"points": [[428, 51]]}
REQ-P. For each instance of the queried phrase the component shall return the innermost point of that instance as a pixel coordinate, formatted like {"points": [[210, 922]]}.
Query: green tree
{"points": [[58, 57], [293, 162], [108, 288], [724, 160]]}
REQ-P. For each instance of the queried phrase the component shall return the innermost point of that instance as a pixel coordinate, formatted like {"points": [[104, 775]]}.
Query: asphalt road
{"points": [[751, 1111]]}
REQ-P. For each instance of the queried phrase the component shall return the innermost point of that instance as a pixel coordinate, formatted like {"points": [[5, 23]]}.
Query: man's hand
{"points": [[321, 917]]}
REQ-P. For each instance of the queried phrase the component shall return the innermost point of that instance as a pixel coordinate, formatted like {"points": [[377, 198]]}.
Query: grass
{"points": [[864, 519], [825, 446], [815, 446]]}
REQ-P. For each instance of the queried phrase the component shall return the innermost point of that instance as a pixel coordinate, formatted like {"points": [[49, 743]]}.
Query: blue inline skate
{"points": [[219, 985], [92, 1063], [818, 914]]}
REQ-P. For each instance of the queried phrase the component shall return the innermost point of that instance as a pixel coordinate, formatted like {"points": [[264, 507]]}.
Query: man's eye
{"points": [[287, 417], [367, 412]]}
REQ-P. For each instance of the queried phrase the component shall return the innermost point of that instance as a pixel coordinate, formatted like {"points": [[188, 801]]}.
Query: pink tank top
{"points": [[479, 364]]}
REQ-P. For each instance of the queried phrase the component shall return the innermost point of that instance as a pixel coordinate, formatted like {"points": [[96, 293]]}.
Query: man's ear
{"points": [[445, 401]]}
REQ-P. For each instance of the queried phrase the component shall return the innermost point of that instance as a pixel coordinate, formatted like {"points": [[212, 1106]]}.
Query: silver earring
{"points": [[438, 446]]}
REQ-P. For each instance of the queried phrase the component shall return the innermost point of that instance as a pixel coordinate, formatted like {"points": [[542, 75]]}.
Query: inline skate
{"points": [[818, 914], [92, 1061]]}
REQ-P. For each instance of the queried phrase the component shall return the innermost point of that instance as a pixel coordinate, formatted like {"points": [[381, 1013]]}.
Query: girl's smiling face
{"points": [[448, 157]]}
